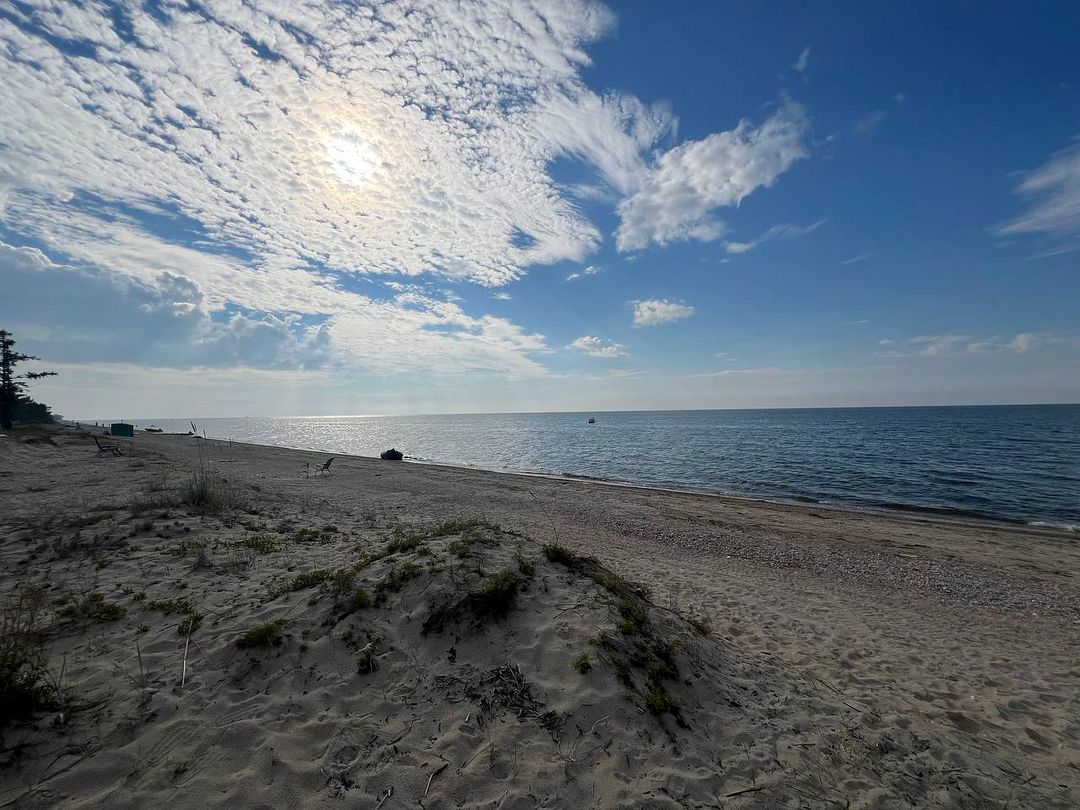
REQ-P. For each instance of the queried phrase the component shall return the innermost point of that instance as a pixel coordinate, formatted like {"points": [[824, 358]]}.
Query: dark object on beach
{"points": [[106, 447], [325, 466], [153, 430], [121, 429], [592, 421], [392, 455]]}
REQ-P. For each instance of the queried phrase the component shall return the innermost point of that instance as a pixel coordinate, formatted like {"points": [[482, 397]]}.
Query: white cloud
{"points": [[687, 183], [1055, 189], [865, 125], [502, 296], [591, 270], [775, 232], [653, 312], [598, 347], [804, 57], [954, 344], [862, 257]]}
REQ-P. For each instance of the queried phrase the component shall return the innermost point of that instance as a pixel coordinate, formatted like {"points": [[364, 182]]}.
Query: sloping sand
{"points": [[784, 657]]}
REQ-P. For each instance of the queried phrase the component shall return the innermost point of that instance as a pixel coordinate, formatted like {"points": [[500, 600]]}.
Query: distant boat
{"points": [[592, 421], [152, 429]]}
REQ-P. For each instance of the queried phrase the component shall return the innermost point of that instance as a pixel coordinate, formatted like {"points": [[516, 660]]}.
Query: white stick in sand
{"points": [[183, 676]]}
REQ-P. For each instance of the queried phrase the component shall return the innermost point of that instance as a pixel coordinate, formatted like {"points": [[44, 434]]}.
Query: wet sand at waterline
{"points": [[221, 628]]}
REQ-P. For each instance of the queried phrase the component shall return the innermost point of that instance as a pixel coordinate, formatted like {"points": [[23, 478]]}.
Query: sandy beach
{"points": [[405, 635]]}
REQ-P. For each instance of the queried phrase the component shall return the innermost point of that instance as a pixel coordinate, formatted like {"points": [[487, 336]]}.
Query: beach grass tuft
{"points": [[309, 579], [264, 635]]}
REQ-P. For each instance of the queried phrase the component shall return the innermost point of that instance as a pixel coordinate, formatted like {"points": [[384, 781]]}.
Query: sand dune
{"points": [[398, 635]]}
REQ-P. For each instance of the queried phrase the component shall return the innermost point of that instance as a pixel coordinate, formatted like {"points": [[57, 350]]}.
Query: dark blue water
{"points": [[1019, 463]]}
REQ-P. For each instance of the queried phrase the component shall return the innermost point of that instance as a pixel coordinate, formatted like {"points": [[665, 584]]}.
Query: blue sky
{"points": [[269, 208]]}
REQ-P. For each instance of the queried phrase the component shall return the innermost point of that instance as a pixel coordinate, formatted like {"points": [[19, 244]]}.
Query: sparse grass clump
{"points": [[561, 554], [360, 599], [190, 624], [582, 664], [168, 606], [322, 537], [525, 566], [260, 543], [457, 527], [265, 635], [309, 579], [400, 541], [634, 617], [395, 579], [209, 494], [659, 700], [192, 620], [341, 581], [496, 595], [94, 606], [493, 599], [591, 568], [23, 686]]}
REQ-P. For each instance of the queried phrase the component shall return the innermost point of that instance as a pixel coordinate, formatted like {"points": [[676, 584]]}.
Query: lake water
{"points": [[1019, 463]]}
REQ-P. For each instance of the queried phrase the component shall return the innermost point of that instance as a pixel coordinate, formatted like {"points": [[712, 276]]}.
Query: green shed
{"points": [[122, 429]]}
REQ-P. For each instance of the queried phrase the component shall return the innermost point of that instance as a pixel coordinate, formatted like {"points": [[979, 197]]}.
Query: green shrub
{"points": [[309, 579], [456, 527], [342, 580], [22, 663], [496, 595], [168, 606], [265, 635], [582, 663], [260, 543], [360, 600], [189, 625], [209, 494], [492, 600], [400, 541], [94, 606], [659, 701]]}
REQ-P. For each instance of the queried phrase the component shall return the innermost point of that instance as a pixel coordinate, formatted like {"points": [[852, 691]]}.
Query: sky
{"points": [[295, 207]]}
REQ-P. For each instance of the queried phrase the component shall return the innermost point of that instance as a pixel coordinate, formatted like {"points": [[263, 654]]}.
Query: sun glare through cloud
{"points": [[352, 159]]}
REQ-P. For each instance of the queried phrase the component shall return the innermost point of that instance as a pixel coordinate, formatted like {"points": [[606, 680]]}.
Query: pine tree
{"points": [[11, 384]]}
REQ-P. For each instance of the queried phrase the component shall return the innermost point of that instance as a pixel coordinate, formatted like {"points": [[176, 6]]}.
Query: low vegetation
{"points": [[582, 663], [264, 635], [23, 685], [190, 624], [395, 579], [168, 606], [260, 543], [207, 493], [94, 607], [492, 599], [309, 579]]}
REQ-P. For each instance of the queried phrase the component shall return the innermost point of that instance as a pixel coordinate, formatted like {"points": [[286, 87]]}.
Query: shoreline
{"points": [[914, 512]]}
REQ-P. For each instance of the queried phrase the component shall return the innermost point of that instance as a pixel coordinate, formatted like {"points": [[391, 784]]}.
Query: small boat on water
{"points": [[592, 421], [152, 429]]}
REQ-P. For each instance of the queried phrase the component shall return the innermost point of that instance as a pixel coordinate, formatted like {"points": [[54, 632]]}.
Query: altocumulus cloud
{"points": [[654, 311], [276, 162], [598, 347]]}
